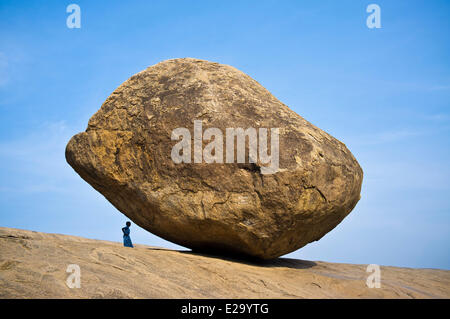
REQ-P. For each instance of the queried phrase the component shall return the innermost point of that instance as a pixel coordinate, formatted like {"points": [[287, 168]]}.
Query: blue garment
{"points": [[126, 237]]}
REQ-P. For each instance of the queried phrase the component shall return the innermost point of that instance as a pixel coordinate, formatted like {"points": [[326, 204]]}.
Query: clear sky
{"points": [[384, 92]]}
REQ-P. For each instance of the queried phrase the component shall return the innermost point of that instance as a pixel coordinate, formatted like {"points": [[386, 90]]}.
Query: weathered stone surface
{"points": [[33, 265], [125, 154]]}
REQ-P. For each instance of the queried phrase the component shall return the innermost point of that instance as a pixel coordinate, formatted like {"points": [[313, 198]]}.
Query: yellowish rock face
{"points": [[126, 153], [34, 265]]}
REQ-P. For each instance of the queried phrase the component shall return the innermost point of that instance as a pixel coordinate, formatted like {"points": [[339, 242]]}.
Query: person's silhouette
{"points": [[126, 235]]}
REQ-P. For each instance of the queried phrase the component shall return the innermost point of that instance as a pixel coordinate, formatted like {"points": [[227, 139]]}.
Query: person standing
{"points": [[126, 235]]}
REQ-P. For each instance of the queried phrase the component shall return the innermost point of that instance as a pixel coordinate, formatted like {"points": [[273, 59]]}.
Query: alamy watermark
{"points": [[374, 279], [213, 151], [374, 19], [74, 19], [74, 279]]}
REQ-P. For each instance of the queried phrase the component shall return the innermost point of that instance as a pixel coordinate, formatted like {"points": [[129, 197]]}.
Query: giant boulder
{"points": [[126, 154]]}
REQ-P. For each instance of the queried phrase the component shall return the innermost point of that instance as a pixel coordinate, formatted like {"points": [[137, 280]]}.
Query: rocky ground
{"points": [[33, 265]]}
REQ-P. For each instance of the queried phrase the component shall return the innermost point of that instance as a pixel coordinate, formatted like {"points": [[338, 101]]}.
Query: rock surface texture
{"points": [[33, 265], [125, 154]]}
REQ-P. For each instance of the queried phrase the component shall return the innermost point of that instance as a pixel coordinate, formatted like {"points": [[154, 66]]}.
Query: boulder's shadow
{"points": [[277, 262]]}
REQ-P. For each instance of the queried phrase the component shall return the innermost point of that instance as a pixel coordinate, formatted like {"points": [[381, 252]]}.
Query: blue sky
{"points": [[384, 92]]}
